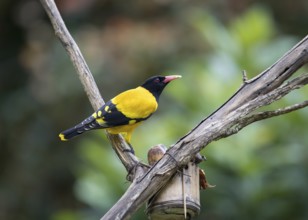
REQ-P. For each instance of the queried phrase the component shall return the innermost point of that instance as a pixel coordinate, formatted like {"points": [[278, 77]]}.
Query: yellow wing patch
{"points": [[107, 109], [98, 117], [132, 122], [100, 121], [99, 113], [136, 103]]}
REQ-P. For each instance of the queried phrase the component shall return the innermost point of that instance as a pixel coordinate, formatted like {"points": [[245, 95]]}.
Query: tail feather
{"points": [[70, 133], [88, 124]]}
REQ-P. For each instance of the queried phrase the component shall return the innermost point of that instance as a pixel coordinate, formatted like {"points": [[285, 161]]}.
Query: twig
{"points": [[267, 99], [269, 114], [244, 75]]}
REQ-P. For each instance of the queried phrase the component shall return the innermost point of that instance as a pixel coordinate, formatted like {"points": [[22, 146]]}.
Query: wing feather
{"points": [[129, 107]]}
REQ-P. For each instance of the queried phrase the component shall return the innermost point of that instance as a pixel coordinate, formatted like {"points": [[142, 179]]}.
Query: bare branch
{"points": [[254, 94], [74, 53], [119, 145], [269, 114], [269, 98], [244, 77]]}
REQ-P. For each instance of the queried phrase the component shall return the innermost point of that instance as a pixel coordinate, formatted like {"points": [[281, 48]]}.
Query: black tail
{"points": [[88, 124], [69, 133]]}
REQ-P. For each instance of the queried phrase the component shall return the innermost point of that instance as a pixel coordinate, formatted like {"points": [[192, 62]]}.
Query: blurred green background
{"points": [[260, 173]]}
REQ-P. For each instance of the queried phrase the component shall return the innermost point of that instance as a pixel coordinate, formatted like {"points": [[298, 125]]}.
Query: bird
{"points": [[126, 111]]}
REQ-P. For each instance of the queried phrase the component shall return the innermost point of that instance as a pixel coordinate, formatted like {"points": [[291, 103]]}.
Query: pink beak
{"points": [[170, 78]]}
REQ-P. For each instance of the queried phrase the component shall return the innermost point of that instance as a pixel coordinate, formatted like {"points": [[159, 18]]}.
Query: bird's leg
{"points": [[127, 140], [130, 150]]}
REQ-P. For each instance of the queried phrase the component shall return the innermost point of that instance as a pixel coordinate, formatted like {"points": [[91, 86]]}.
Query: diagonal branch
{"points": [[74, 54], [255, 93], [119, 145]]}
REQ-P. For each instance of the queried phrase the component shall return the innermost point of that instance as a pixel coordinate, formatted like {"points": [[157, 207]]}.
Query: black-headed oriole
{"points": [[123, 113]]}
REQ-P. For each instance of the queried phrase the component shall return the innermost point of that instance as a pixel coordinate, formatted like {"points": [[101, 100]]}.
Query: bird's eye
{"points": [[156, 80]]}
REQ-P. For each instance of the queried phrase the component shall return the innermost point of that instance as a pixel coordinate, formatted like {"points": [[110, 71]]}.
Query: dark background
{"points": [[260, 173]]}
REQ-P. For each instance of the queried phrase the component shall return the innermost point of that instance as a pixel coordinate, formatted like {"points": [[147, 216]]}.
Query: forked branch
{"points": [[260, 91]]}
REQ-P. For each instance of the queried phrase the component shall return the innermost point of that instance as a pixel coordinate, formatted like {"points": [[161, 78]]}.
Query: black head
{"points": [[156, 84]]}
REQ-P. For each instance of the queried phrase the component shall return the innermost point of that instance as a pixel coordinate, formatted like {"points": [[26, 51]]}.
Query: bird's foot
{"points": [[130, 150]]}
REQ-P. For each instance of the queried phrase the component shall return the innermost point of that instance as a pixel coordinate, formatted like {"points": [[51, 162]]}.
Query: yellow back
{"points": [[136, 103]]}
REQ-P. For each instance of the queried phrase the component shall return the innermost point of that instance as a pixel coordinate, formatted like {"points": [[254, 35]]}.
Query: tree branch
{"points": [[225, 121], [74, 54], [269, 114], [269, 98], [118, 144]]}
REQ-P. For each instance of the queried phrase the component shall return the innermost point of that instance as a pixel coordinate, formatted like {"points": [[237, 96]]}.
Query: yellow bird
{"points": [[123, 113]]}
